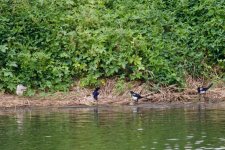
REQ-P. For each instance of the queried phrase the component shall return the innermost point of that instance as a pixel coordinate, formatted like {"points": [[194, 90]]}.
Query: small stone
{"points": [[20, 89]]}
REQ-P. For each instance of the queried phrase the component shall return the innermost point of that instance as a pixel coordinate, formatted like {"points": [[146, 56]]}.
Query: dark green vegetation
{"points": [[46, 44]]}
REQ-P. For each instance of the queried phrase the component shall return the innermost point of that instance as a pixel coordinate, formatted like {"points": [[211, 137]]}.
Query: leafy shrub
{"points": [[46, 45]]}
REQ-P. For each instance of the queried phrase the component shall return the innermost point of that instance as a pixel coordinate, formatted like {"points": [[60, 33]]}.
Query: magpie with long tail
{"points": [[135, 96], [202, 90], [95, 93]]}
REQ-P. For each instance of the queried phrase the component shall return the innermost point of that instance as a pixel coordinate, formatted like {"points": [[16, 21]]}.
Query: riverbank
{"points": [[111, 94]]}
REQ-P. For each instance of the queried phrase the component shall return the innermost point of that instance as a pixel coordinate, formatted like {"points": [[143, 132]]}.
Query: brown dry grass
{"points": [[110, 95]]}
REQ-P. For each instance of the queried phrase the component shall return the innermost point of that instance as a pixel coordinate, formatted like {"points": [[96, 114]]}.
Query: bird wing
{"points": [[137, 95]]}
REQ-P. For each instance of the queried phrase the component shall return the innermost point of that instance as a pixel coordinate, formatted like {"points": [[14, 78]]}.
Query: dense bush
{"points": [[47, 44]]}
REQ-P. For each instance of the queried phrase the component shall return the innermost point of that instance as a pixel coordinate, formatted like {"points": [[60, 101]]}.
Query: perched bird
{"points": [[135, 96], [202, 90], [96, 93], [20, 89]]}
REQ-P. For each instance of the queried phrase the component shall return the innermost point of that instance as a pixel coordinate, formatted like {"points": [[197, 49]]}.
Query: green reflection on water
{"points": [[127, 128]]}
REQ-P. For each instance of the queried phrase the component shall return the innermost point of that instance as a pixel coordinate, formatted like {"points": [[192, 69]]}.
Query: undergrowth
{"points": [[46, 45]]}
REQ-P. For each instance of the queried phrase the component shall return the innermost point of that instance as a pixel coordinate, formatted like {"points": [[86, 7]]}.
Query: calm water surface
{"points": [[112, 128]]}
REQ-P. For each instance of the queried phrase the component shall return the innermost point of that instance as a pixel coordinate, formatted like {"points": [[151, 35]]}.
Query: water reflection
{"points": [[132, 127], [136, 109], [96, 116], [20, 120]]}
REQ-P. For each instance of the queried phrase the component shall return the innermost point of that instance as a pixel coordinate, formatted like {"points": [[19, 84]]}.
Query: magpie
{"points": [[202, 90], [135, 96], [96, 93]]}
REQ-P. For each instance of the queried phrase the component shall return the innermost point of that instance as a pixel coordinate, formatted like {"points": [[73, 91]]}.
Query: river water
{"points": [[112, 128]]}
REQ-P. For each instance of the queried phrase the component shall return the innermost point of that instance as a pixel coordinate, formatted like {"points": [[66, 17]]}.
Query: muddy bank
{"points": [[117, 93], [109, 96]]}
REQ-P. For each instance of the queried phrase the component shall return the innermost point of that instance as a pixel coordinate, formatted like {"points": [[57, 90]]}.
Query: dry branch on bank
{"points": [[110, 95]]}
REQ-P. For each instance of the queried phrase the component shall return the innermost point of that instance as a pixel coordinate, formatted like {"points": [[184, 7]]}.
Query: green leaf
{"points": [[3, 48]]}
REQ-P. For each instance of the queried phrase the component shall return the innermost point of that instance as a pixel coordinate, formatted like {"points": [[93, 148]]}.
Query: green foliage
{"points": [[45, 44]]}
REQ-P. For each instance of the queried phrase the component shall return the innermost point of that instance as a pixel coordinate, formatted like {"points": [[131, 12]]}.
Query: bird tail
{"points": [[146, 96], [209, 86]]}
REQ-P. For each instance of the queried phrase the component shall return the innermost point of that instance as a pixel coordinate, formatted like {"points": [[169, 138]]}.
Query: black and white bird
{"points": [[202, 90], [135, 96], [95, 93]]}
